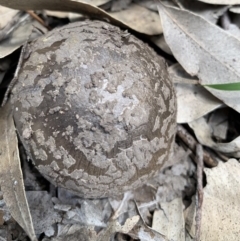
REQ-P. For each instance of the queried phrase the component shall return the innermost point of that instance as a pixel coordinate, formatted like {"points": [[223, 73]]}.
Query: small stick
{"points": [[192, 143], [37, 18], [199, 197], [15, 78]]}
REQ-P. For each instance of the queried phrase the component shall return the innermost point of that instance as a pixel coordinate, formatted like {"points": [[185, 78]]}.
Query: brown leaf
{"points": [[11, 179]]}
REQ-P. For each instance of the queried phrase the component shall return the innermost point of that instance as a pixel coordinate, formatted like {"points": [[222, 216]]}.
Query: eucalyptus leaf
{"points": [[11, 178], [140, 19], [62, 5], [193, 100], [221, 205], [203, 50], [221, 2]]}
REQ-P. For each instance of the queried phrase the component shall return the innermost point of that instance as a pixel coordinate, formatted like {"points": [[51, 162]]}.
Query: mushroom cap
{"points": [[95, 109]]}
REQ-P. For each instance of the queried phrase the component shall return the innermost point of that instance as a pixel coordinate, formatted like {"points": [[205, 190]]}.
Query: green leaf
{"points": [[230, 86]]}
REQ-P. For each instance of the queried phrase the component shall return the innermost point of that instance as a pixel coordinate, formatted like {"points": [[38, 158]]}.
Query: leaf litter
{"points": [[201, 53], [150, 212], [203, 132], [11, 179], [193, 100], [220, 211]]}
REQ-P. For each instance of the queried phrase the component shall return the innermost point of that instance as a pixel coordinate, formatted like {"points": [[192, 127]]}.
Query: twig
{"points": [[37, 18], [192, 143], [199, 197], [15, 78]]}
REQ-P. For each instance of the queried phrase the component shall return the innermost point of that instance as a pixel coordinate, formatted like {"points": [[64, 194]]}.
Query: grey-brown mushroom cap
{"points": [[95, 109]]}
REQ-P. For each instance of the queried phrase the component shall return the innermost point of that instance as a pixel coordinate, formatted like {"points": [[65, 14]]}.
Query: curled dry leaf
{"points": [[11, 179], [140, 18], [63, 14], [193, 100], [221, 204], [203, 133], [195, 43], [62, 5]]}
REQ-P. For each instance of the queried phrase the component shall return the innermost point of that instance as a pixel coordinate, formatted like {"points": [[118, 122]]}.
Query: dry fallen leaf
{"points": [[195, 43], [161, 43], [88, 214], [209, 12], [23, 32], [6, 15], [193, 100], [223, 2], [203, 133], [61, 14], [143, 233], [115, 227], [169, 220], [64, 5], [235, 9], [135, 17], [219, 122], [43, 213], [140, 19], [76, 232], [11, 179], [221, 204]]}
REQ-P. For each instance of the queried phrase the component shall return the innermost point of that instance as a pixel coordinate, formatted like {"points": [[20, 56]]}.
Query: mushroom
{"points": [[95, 109]]}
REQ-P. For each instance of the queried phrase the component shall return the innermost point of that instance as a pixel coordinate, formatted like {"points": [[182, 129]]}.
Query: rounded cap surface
{"points": [[95, 109]]}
